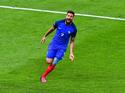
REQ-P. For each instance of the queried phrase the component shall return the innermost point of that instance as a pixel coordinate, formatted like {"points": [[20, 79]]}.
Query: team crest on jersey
{"points": [[69, 32]]}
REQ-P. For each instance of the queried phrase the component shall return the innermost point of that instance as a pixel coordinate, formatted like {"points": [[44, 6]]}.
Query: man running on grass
{"points": [[65, 31]]}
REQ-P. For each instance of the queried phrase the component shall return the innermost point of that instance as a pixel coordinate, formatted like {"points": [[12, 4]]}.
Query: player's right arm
{"points": [[47, 33]]}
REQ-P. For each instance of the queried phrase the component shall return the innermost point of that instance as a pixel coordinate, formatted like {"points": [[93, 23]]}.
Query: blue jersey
{"points": [[62, 35]]}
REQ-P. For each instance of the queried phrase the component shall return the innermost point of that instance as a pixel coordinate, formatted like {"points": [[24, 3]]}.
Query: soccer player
{"points": [[65, 31]]}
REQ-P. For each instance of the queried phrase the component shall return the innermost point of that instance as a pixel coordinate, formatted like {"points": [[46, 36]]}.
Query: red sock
{"points": [[48, 70]]}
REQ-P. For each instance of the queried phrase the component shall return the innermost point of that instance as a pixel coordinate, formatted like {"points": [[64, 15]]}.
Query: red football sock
{"points": [[48, 70]]}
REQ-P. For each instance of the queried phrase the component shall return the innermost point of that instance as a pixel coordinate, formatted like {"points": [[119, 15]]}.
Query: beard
{"points": [[68, 21]]}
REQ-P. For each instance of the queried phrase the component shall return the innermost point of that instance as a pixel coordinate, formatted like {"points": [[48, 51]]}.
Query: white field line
{"points": [[59, 12]]}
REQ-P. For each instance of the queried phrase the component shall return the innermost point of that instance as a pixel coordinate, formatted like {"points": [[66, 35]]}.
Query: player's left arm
{"points": [[72, 41], [71, 56]]}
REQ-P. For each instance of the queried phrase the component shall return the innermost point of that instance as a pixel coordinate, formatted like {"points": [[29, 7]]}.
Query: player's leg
{"points": [[59, 55], [49, 60], [49, 69], [53, 60], [50, 57]]}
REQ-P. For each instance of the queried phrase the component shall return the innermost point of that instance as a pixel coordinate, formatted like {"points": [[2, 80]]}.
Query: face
{"points": [[69, 18]]}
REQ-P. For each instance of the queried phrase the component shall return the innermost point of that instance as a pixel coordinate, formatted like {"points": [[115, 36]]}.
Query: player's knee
{"points": [[49, 61]]}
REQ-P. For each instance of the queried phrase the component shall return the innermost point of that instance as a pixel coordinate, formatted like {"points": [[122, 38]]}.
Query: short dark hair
{"points": [[70, 11]]}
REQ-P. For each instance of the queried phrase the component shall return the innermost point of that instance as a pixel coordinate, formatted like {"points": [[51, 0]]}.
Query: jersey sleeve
{"points": [[74, 33], [55, 25]]}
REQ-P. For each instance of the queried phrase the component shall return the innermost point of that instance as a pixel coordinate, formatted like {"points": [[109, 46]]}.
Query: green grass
{"points": [[99, 48]]}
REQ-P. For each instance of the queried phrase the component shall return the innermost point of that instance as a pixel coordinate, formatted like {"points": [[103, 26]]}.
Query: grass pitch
{"points": [[99, 48]]}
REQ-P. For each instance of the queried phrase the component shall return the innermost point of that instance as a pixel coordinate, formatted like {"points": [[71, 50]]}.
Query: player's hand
{"points": [[71, 57], [43, 39]]}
